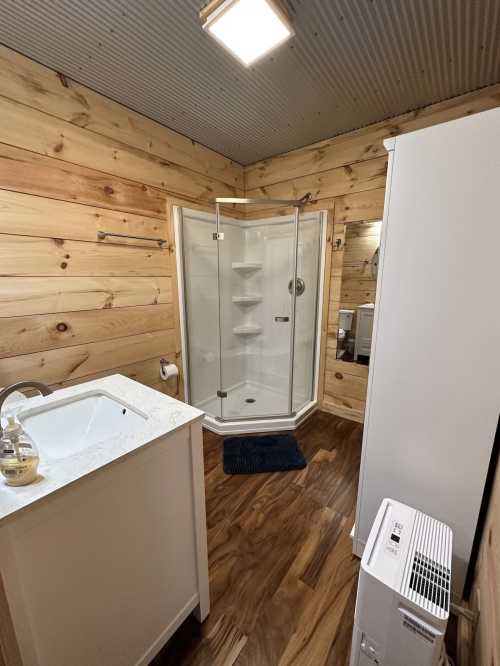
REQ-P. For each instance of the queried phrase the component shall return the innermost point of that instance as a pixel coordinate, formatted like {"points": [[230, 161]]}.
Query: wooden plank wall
{"points": [[72, 162], [485, 597], [358, 285], [351, 284], [347, 175]]}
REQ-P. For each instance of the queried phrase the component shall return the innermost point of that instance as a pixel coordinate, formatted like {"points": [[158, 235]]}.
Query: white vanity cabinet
{"points": [[102, 571], [364, 327]]}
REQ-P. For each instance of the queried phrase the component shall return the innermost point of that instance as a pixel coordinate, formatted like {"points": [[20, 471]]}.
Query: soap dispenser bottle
{"points": [[18, 455]]}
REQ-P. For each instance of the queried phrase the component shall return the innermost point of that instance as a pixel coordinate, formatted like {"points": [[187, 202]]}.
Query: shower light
{"points": [[247, 28]]}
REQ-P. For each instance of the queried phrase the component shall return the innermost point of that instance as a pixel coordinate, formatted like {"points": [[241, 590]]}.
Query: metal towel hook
{"points": [[307, 198]]}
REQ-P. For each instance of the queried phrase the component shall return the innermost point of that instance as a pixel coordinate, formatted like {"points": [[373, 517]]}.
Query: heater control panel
{"points": [[387, 547], [393, 542]]}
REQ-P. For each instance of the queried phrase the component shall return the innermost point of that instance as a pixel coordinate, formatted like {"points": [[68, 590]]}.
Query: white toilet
{"points": [[345, 325]]}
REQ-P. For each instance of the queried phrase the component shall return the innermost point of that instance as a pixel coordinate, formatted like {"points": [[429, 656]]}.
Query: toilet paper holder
{"points": [[164, 362]]}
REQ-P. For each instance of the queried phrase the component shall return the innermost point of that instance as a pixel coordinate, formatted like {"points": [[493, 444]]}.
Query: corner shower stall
{"points": [[250, 339]]}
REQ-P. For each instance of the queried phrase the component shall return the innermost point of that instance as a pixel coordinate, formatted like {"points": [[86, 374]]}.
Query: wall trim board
{"points": [[39, 87]]}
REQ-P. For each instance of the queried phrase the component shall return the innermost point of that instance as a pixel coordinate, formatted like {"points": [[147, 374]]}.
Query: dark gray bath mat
{"points": [[269, 453]]}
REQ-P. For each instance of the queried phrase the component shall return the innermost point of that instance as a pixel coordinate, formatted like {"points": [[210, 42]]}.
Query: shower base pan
{"points": [[244, 407]]}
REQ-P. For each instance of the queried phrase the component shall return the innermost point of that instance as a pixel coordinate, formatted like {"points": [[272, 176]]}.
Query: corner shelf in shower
{"points": [[248, 329], [246, 266], [247, 300]]}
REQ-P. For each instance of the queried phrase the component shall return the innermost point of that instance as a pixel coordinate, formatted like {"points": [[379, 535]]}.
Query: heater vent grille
{"points": [[426, 579], [430, 580]]}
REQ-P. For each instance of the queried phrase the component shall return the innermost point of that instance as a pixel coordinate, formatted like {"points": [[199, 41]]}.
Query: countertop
{"points": [[164, 415]]}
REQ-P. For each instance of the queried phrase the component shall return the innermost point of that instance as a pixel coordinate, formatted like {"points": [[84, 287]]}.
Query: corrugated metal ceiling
{"points": [[349, 64]]}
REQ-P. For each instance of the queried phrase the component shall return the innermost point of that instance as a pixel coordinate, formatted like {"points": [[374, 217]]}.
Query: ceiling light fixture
{"points": [[247, 28]]}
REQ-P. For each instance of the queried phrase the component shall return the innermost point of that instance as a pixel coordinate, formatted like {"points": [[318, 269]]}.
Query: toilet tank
{"points": [[345, 319]]}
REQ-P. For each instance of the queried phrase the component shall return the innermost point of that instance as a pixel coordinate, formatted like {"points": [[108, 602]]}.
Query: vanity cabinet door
{"points": [[103, 571]]}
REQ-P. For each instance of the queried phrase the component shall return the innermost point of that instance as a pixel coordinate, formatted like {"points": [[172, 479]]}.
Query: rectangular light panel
{"points": [[248, 28]]}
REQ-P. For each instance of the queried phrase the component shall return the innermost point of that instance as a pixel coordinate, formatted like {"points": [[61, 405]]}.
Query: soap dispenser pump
{"points": [[18, 455]]}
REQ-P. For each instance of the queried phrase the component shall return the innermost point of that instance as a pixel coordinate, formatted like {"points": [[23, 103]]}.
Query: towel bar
{"points": [[103, 234]]}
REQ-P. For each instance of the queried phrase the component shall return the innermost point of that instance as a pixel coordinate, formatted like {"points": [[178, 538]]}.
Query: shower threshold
{"points": [[245, 410]]}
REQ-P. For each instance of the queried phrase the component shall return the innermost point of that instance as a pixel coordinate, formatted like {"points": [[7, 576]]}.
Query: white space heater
{"points": [[403, 599]]}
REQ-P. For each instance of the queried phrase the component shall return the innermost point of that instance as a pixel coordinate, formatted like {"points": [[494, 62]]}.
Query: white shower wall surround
{"points": [[244, 348]]}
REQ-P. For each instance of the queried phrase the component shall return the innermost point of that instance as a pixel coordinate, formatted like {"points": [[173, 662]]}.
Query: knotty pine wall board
{"points": [[20, 296], [43, 89], [72, 163]]}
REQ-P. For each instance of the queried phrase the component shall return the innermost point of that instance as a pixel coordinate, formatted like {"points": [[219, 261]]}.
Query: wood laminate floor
{"points": [[282, 575]]}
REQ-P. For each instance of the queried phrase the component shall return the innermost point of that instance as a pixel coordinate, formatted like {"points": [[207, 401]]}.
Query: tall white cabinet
{"points": [[434, 382]]}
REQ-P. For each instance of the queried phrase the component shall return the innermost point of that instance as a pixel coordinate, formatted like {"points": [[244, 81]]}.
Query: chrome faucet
{"points": [[4, 393]]}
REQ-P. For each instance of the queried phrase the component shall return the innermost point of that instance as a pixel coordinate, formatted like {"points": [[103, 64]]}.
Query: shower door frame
{"points": [[292, 418], [296, 204]]}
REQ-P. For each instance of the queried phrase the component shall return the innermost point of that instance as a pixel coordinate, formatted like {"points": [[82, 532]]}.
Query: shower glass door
{"points": [[256, 261], [201, 307], [306, 308]]}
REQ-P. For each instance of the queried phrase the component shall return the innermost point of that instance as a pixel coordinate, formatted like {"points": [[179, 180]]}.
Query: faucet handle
{"points": [[9, 390]]}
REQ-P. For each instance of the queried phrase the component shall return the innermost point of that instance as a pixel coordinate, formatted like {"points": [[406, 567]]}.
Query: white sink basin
{"points": [[62, 428]]}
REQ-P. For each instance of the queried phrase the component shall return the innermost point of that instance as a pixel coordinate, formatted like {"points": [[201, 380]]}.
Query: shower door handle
{"points": [[282, 319]]}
